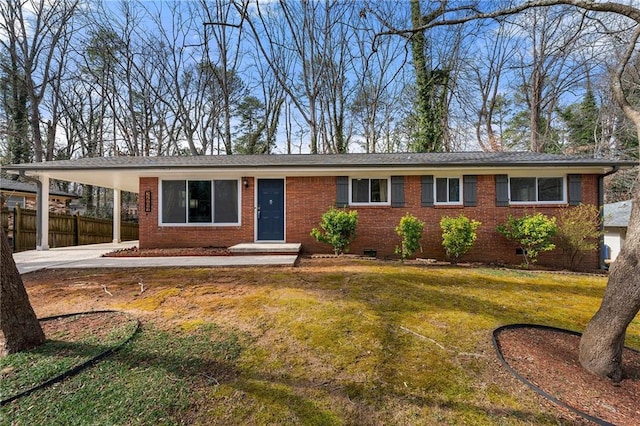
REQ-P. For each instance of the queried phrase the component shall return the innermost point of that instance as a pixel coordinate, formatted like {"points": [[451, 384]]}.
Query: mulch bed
{"points": [[161, 252], [549, 359]]}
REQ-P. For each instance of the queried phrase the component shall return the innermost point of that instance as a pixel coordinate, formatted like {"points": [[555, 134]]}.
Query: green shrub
{"points": [[534, 233], [578, 232], [458, 236], [338, 229], [410, 231]]}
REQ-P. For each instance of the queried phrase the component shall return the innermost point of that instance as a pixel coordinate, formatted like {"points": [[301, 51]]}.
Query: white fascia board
{"points": [[368, 171], [128, 179]]}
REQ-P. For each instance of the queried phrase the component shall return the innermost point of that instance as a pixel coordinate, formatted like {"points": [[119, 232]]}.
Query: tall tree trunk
{"points": [[19, 326], [418, 47], [603, 340]]}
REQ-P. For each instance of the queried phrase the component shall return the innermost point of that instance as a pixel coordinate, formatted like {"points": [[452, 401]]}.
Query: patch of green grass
{"points": [[149, 381], [25, 370], [370, 343]]}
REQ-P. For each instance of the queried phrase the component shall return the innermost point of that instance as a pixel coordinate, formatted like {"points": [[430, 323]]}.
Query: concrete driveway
{"points": [[33, 260], [90, 256]]}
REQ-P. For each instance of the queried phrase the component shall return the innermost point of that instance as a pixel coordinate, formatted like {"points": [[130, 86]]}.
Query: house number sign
{"points": [[147, 201]]}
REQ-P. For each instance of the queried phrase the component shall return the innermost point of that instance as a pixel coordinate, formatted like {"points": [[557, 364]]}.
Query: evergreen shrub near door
{"points": [[338, 228], [458, 236]]}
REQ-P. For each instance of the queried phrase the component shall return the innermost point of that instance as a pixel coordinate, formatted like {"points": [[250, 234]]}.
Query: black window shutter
{"points": [[470, 190], [502, 190], [427, 191], [342, 191], [397, 191], [575, 189]]}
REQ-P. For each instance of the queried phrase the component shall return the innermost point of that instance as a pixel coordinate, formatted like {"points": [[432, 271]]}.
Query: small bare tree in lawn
{"points": [[19, 326]]}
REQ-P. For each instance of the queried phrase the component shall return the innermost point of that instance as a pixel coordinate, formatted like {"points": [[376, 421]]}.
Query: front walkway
{"points": [[90, 256]]}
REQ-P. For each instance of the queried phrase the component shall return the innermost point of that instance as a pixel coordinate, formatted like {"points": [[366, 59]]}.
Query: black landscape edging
{"points": [[533, 387], [78, 368]]}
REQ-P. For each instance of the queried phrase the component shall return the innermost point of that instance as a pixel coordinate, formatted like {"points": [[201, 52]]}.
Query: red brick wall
{"points": [[308, 197]]}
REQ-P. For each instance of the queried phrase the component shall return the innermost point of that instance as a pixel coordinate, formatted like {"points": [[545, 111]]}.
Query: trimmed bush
{"points": [[534, 233], [338, 229], [578, 232], [458, 236], [410, 231]]}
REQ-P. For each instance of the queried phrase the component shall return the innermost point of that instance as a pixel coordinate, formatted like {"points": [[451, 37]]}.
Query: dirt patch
{"points": [[549, 360], [75, 328], [168, 252]]}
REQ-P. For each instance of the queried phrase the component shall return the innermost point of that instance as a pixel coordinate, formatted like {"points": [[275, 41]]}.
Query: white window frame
{"points": [[435, 191], [536, 202], [370, 203], [201, 224]]}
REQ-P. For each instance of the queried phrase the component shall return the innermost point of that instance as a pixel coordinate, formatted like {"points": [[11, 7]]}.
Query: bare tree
{"points": [[551, 68], [303, 44], [487, 69], [603, 339], [34, 32], [272, 97], [180, 84], [379, 81], [224, 24]]}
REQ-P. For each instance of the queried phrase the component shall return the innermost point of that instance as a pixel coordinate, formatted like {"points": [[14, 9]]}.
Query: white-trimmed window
{"points": [[369, 191], [541, 190], [447, 190], [213, 202]]}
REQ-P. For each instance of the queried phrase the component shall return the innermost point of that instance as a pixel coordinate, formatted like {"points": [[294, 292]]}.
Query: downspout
{"points": [[601, 210], [38, 205]]}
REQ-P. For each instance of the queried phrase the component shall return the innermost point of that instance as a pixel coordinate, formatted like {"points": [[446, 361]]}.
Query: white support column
{"points": [[42, 233], [116, 215]]}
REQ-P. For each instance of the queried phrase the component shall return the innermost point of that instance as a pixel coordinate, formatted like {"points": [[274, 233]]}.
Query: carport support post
{"points": [[42, 213], [116, 215]]}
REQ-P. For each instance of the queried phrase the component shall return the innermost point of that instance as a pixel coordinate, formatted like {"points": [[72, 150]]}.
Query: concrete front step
{"points": [[265, 248]]}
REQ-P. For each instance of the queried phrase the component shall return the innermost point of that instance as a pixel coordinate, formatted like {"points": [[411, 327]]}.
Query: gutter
{"points": [[310, 166], [613, 170]]}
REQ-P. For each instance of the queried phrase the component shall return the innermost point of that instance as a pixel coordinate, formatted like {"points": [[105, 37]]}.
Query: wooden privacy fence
{"points": [[64, 230]]}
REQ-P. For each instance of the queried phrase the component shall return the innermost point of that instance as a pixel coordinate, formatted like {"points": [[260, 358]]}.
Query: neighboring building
{"points": [[616, 222], [224, 200], [24, 195]]}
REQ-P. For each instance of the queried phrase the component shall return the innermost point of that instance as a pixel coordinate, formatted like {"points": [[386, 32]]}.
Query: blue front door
{"points": [[270, 211]]}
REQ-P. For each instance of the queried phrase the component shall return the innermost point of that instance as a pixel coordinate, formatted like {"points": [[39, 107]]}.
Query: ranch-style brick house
{"points": [[221, 201]]}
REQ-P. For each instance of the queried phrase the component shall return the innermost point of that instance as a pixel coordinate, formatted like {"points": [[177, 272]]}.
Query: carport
{"points": [[42, 173]]}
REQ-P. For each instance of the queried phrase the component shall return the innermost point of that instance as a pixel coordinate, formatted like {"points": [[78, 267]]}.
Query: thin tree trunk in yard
{"points": [[19, 326], [603, 340]]}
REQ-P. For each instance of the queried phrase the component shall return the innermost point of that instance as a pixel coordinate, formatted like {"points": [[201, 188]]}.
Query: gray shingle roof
{"points": [[617, 215], [477, 159], [12, 185]]}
